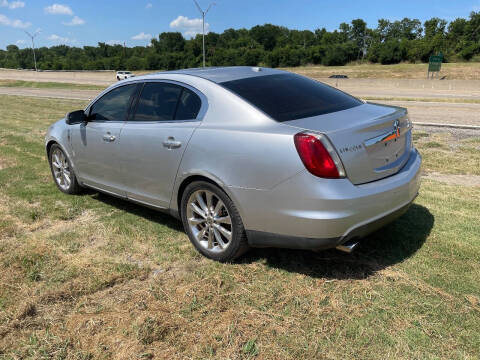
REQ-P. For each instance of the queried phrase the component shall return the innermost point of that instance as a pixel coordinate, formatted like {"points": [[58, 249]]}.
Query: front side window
{"points": [[114, 105], [287, 97], [166, 102]]}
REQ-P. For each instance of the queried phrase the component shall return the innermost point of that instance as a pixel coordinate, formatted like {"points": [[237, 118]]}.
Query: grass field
{"points": [[94, 277], [451, 71]]}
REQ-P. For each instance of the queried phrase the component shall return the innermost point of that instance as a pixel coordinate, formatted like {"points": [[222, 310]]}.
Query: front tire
{"points": [[62, 171], [212, 222]]}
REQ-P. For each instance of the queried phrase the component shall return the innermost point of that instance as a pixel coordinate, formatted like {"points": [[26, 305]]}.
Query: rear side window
{"points": [[188, 105], [114, 105], [165, 102], [157, 102], [287, 97]]}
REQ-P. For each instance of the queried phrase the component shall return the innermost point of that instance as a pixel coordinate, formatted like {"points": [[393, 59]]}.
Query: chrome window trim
{"points": [[162, 122]]}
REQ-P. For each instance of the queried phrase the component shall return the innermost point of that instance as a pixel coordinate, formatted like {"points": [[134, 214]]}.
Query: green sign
{"points": [[435, 63]]}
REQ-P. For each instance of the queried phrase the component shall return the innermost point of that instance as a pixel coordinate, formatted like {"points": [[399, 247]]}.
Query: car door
{"points": [[155, 138], [96, 143]]}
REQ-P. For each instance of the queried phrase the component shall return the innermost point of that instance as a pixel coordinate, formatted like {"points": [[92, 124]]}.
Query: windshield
{"points": [[287, 97]]}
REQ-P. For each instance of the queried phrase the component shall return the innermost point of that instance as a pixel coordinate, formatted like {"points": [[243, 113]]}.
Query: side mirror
{"points": [[76, 117]]}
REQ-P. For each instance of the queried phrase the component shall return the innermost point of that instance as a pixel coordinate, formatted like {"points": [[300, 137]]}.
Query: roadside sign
{"points": [[434, 65]]}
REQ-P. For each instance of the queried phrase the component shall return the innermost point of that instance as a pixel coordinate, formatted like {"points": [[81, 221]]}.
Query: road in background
{"points": [[440, 112], [431, 109], [403, 88], [106, 77], [408, 88], [50, 93]]}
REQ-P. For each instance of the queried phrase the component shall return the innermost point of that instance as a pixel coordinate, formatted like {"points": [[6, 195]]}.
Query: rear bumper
{"points": [[306, 212], [263, 239]]}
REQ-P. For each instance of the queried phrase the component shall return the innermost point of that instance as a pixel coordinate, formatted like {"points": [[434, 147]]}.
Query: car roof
{"points": [[223, 74]]}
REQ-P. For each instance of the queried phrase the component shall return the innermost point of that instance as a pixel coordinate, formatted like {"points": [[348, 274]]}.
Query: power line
{"points": [[203, 24]]}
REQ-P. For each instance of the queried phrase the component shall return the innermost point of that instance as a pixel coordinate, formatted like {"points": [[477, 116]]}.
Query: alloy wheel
{"points": [[61, 169], [209, 221]]}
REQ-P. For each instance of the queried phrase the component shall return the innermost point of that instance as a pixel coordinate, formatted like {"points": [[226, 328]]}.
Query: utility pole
{"points": [[33, 45], [203, 25]]}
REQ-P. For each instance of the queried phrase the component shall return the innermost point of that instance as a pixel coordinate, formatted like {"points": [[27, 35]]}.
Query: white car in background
{"points": [[122, 75]]}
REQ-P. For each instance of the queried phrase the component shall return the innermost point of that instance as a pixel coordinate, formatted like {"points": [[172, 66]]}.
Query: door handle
{"points": [[171, 143], [108, 137]]}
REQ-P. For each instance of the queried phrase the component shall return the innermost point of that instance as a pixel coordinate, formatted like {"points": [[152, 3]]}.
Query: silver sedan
{"points": [[245, 157]]}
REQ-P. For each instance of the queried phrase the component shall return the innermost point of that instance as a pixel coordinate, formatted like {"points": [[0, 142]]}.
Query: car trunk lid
{"points": [[372, 140]]}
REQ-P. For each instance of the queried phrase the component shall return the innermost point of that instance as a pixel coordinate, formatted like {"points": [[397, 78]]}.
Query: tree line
{"points": [[391, 42]]}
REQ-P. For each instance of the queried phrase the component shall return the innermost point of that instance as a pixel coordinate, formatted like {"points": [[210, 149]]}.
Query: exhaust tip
{"points": [[348, 247]]}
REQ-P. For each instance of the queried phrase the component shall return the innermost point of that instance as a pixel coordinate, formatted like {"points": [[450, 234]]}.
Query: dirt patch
{"points": [[461, 180], [6, 163]]}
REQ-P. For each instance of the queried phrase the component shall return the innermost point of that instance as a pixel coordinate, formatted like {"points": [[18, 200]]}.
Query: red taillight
{"points": [[315, 156]]}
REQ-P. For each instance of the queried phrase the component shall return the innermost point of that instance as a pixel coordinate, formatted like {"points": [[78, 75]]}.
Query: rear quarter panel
{"points": [[237, 146]]}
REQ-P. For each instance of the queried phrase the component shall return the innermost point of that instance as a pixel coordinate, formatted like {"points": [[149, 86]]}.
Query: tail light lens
{"points": [[318, 155]]}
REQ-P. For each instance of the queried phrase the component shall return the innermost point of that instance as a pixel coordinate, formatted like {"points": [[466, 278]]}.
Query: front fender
{"points": [[58, 133]]}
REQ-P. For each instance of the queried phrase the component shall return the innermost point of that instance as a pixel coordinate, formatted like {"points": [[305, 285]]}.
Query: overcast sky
{"points": [[87, 22]]}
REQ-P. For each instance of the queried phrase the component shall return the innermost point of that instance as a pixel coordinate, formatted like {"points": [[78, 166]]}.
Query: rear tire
{"points": [[212, 222], [62, 171]]}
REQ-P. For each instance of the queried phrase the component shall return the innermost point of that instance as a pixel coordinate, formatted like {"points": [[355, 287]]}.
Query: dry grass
{"points": [[452, 71], [93, 277]]}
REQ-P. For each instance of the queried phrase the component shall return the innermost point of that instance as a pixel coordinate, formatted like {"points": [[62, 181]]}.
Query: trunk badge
{"points": [[394, 134], [385, 138]]}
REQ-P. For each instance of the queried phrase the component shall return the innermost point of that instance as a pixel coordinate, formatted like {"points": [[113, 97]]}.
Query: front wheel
{"points": [[212, 222], [62, 171]]}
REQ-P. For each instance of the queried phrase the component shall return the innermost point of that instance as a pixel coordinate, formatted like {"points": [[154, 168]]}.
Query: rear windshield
{"points": [[287, 97]]}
